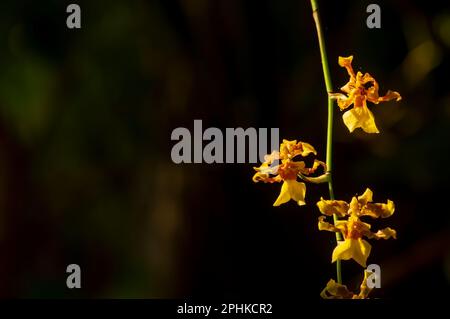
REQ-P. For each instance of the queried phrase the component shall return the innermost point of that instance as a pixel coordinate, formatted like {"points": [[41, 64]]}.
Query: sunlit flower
{"points": [[333, 290], [353, 229], [360, 89], [282, 167]]}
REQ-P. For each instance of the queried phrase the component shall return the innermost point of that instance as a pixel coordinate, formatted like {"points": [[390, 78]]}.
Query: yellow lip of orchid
{"points": [[353, 229], [287, 171], [359, 89]]}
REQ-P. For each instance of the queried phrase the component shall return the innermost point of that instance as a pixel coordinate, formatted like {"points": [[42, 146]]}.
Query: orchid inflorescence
{"points": [[288, 166]]}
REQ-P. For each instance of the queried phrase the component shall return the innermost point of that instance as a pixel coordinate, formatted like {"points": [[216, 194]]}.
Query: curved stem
{"points": [[329, 87]]}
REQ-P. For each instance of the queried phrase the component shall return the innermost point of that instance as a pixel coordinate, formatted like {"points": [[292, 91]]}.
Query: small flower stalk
{"points": [[350, 220]]}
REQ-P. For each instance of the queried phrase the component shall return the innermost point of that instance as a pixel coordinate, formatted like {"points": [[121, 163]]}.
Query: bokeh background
{"points": [[85, 170]]}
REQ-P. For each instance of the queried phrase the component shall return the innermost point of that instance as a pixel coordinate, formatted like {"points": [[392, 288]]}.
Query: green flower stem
{"points": [[329, 87]]}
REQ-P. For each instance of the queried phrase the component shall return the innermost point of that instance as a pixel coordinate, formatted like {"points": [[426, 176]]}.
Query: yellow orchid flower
{"points": [[360, 89], [353, 229], [333, 290], [272, 171]]}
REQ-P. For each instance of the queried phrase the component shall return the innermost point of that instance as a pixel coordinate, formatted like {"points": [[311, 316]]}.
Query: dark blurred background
{"points": [[86, 175]]}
